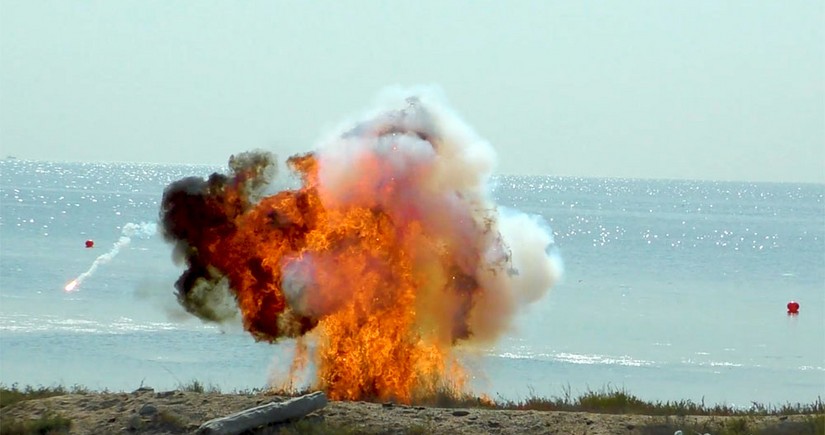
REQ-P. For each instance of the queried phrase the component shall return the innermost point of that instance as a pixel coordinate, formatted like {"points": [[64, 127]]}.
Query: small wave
{"points": [[693, 362], [815, 368], [510, 355], [572, 358], [81, 326], [622, 360], [723, 364]]}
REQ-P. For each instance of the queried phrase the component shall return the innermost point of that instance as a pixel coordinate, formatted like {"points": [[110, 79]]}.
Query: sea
{"points": [[673, 290]]}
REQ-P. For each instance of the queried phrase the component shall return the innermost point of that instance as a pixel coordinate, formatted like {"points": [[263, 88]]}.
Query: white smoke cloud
{"points": [[417, 159]]}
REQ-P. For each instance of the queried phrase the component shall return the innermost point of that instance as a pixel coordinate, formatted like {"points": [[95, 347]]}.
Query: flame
{"points": [[387, 253], [71, 286]]}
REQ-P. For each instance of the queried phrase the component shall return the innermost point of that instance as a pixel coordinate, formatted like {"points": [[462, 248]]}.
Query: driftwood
{"points": [[269, 413]]}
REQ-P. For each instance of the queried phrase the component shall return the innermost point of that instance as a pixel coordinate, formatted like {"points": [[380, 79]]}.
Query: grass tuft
{"points": [[196, 386], [611, 400], [171, 422], [46, 424], [13, 394]]}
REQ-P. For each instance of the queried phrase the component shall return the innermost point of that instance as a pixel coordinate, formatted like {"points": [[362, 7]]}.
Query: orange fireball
{"points": [[390, 252]]}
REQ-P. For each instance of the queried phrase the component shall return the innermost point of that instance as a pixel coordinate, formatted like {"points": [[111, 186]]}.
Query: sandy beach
{"points": [[146, 411]]}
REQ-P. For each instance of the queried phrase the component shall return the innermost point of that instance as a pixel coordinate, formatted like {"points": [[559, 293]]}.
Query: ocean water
{"points": [[672, 289]]}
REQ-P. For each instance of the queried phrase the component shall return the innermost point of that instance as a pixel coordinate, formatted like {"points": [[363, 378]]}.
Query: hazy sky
{"points": [[730, 90]]}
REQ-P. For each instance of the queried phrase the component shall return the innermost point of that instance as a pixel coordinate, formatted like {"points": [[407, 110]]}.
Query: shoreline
{"points": [[147, 411]]}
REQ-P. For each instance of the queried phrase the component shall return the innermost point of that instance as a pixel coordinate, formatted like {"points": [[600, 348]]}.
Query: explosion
{"points": [[390, 255]]}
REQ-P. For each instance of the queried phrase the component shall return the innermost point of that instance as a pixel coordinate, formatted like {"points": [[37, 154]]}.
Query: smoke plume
{"points": [[389, 255]]}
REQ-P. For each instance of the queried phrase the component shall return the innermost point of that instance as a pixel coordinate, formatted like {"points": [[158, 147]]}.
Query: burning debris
{"points": [[391, 253]]}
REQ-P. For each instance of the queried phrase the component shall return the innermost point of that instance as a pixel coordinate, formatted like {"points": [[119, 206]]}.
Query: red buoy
{"points": [[793, 307], [90, 243]]}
